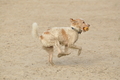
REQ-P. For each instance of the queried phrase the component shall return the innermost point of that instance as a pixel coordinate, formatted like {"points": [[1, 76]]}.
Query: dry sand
{"points": [[22, 58]]}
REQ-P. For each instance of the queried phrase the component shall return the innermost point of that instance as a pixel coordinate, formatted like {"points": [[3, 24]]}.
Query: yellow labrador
{"points": [[65, 36]]}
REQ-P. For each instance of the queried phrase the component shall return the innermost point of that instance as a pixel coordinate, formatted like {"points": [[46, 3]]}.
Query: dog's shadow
{"points": [[76, 61]]}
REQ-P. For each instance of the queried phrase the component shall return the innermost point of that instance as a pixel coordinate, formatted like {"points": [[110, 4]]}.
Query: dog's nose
{"points": [[89, 25]]}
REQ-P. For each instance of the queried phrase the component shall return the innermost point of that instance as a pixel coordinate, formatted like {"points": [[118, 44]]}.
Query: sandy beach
{"points": [[22, 56]]}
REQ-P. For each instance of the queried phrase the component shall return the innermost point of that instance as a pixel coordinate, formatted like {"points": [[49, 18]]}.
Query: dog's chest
{"points": [[73, 37]]}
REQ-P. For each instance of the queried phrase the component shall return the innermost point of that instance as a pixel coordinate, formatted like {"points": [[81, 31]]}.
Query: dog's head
{"points": [[79, 24]]}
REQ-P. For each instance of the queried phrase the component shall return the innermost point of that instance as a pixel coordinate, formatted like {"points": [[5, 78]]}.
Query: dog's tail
{"points": [[35, 30]]}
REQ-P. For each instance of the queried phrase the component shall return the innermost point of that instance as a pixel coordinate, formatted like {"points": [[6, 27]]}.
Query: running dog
{"points": [[57, 36]]}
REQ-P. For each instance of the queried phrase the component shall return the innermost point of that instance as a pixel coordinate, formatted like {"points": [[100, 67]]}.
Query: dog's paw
{"points": [[62, 54]]}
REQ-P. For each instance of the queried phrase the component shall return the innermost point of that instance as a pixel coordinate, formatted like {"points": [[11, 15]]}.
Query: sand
{"points": [[22, 56]]}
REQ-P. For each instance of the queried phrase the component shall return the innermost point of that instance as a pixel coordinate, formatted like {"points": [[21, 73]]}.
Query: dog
{"points": [[57, 36]]}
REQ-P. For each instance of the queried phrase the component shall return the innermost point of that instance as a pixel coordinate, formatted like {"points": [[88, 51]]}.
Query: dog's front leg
{"points": [[76, 47], [66, 50], [64, 53], [57, 44]]}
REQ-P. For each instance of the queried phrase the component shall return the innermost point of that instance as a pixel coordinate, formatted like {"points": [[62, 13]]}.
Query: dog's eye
{"points": [[83, 22]]}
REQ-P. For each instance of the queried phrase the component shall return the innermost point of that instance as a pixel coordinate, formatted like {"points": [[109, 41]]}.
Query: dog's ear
{"points": [[71, 19]]}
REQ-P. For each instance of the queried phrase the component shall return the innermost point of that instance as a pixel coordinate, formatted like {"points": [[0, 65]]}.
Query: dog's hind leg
{"points": [[50, 51]]}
